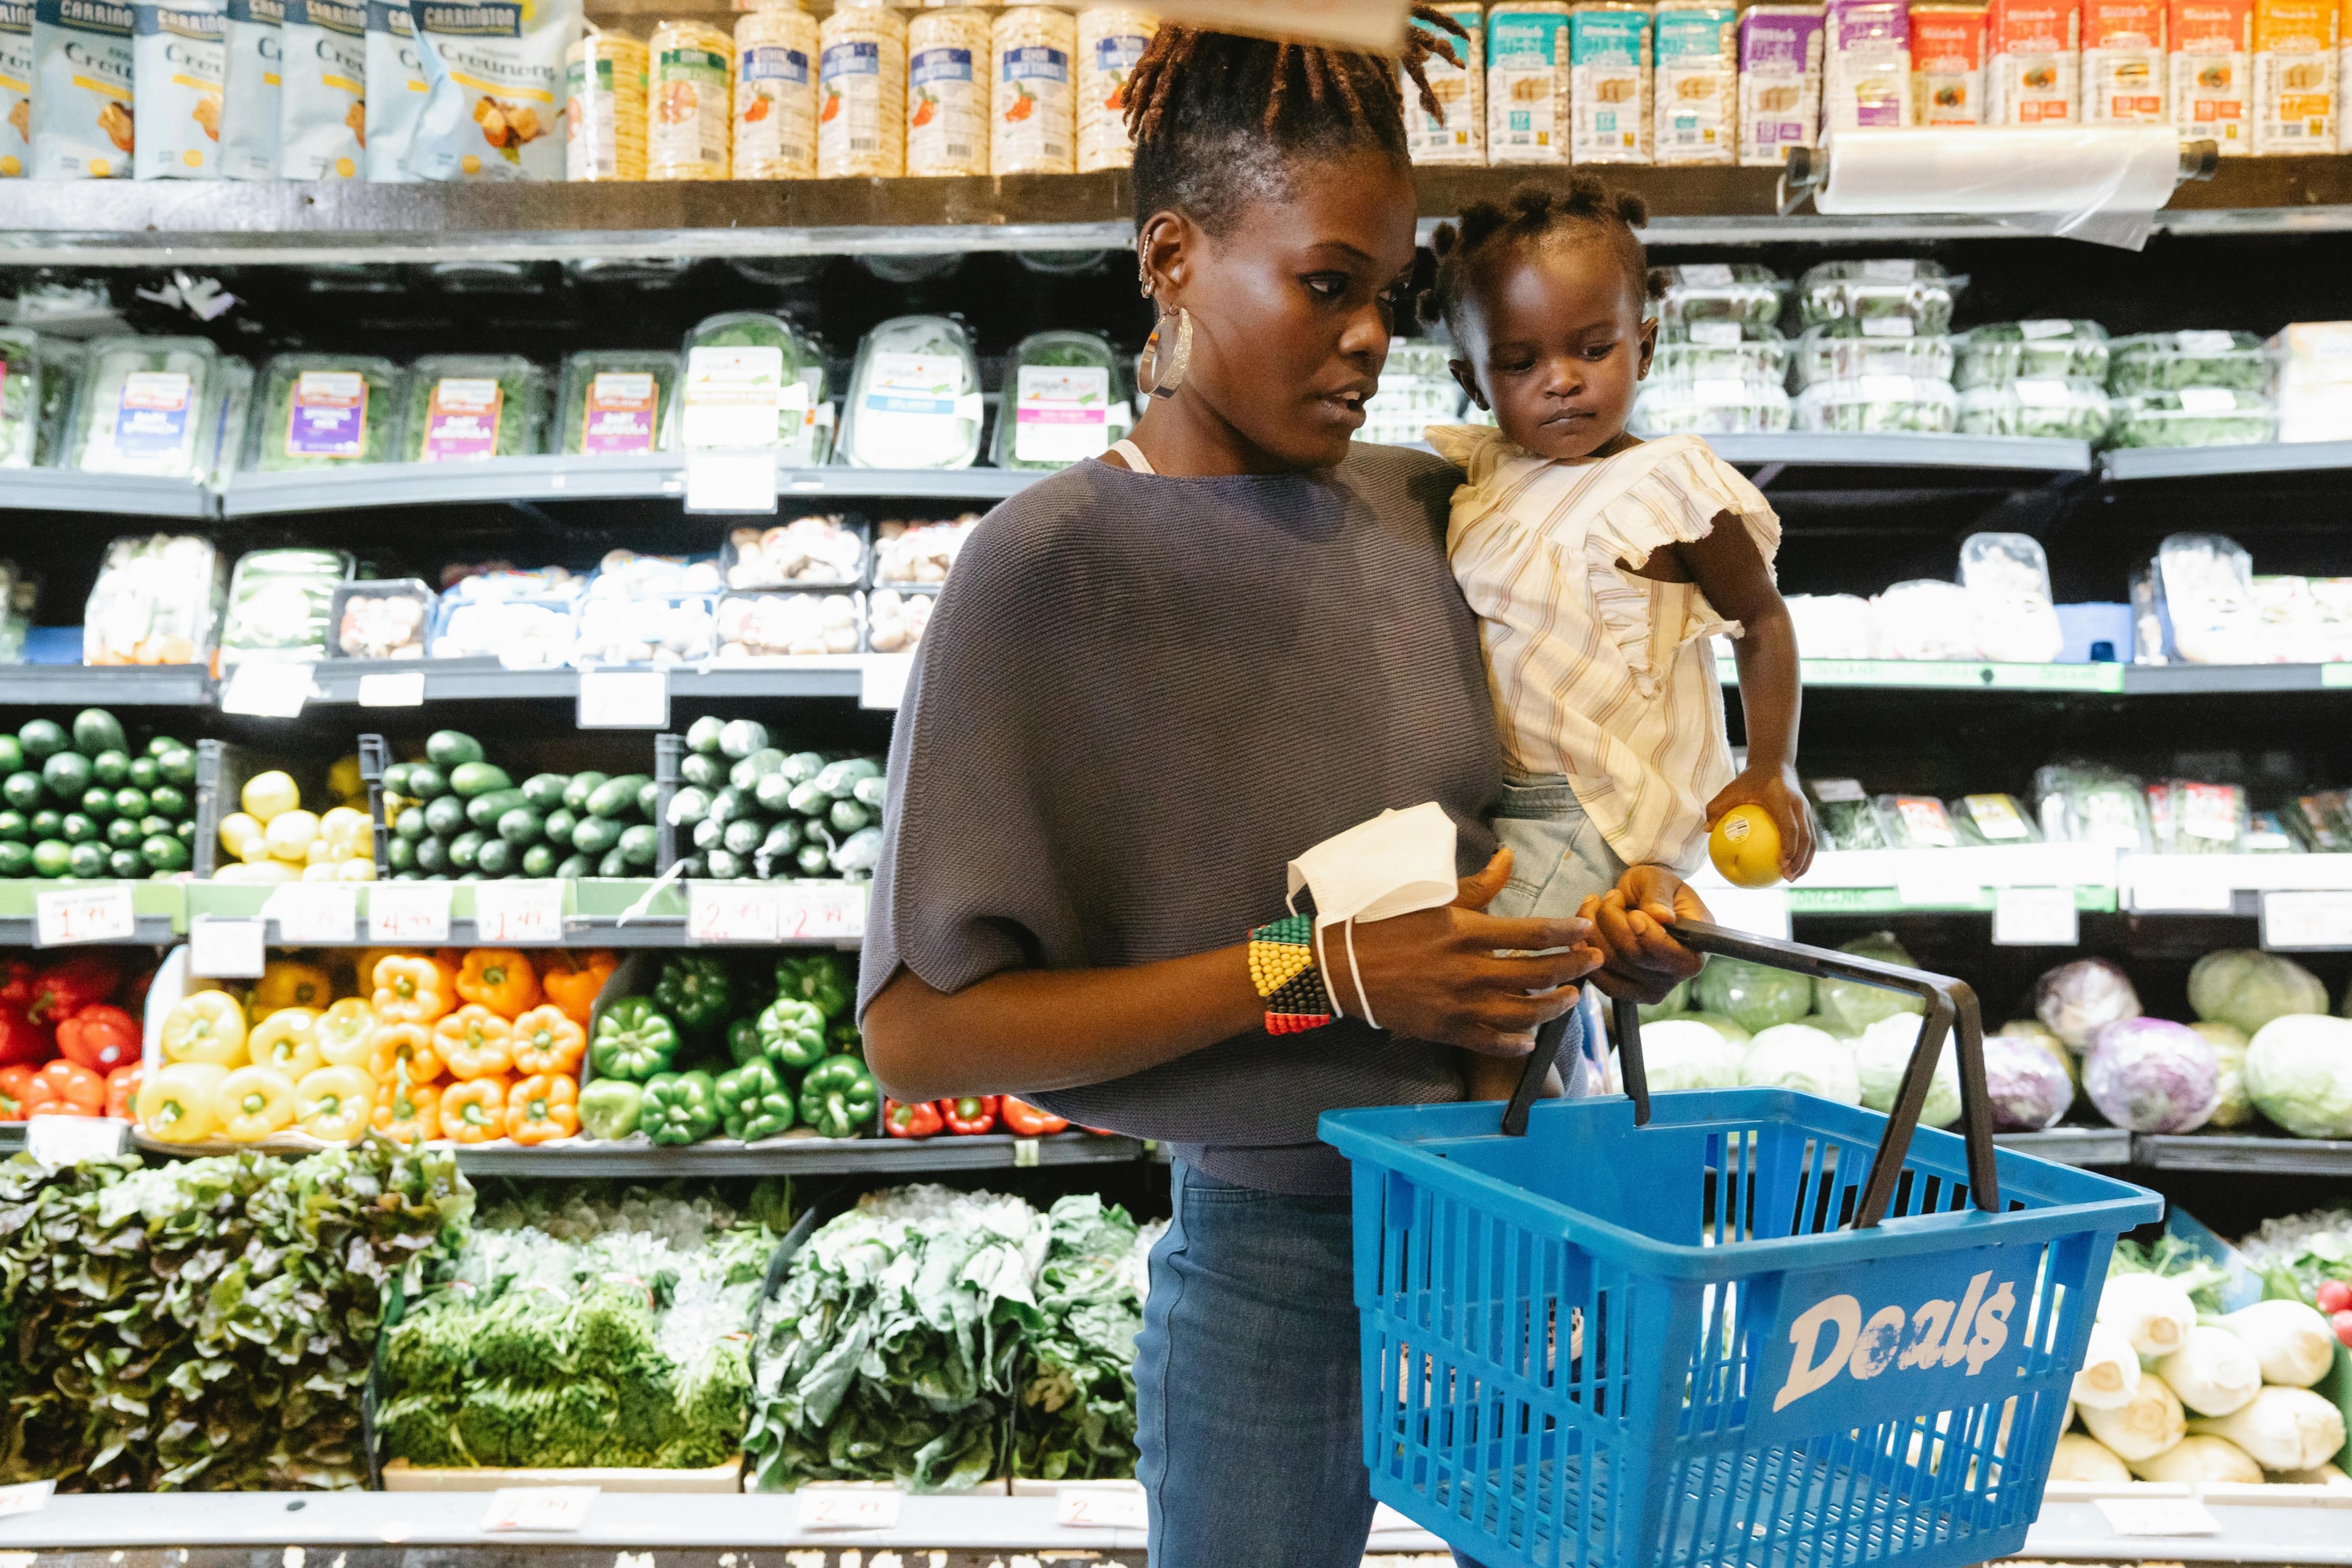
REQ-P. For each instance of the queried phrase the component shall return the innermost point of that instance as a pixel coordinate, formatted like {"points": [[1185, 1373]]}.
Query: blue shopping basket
{"points": [[1738, 1326]]}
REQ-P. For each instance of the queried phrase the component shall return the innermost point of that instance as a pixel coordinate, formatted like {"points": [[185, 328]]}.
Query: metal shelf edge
{"points": [[133, 495], [2196, 462], [1835, 449], [794, 1156], [2226, 1151]]}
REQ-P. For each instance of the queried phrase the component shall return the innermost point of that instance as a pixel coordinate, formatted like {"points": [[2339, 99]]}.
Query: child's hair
{"points": [[1588, 208], [1218, 117]]}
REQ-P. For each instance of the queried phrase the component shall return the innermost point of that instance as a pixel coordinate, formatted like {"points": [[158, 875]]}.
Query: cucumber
{"points": [[444, 815], [807, 798], [425, 782], [122, 833], [802, 766], [872, 793], [639, 845], [155, 822], [79, 828], [689, 805], [582, 785], [13, 827], [451, 748], [545, 791], [811, 861], [772, 791], [701, 772], [65, 775], [45, 824], [401, 854], [41, 740], [410, 827], [694, 866], [614, 864], [484, 810], [111, 769], [496, 859], [465, 851], [143, 773], [164, 853], [848, 817], [168, 800], [559, 823], [743, 836], [708, 832], [724, 865], [649, 799], [175, 763], [125, 864], [575, 865], [617, 795], [471, 779], [522, 827], [729, 805], [596, 835], [741, 737], [784, 838], [755, 767], [23, 790], [702, 735], [100, 802]]}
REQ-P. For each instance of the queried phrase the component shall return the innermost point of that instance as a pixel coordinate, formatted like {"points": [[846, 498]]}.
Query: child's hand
{"points": [[1778, 793]]}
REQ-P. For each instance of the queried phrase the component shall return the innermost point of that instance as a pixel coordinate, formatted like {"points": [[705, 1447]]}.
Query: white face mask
{"points": [[1396, 864]]}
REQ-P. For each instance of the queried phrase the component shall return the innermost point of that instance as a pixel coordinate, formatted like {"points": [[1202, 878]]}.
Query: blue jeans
{"points": [[1559, 858], [1245, 1372]]}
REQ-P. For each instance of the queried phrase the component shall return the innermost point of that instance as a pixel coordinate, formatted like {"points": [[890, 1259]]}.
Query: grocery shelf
{"points": [[1830, 449], [108, 685], [2101, 680], [796, 1156], [2271, 1155], [555, 479], [485, 679], [70, 490], [602, 911], [2197, 462], [1966, 879], [2073, 1145], [156, 909]]}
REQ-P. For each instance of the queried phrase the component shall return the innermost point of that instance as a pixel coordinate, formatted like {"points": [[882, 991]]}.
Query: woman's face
{"points": [[1293, 306]]}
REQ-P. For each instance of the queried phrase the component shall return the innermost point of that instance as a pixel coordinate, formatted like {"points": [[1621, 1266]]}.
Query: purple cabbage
{"points": [[2029, 1089], [2075, 999], [2149, 1074]]}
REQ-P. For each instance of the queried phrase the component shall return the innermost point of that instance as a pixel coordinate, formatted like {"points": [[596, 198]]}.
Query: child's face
{"points": [[1555, 344]]}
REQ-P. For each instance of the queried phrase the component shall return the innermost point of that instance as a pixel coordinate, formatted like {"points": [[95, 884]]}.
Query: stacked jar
{"points": [[776, 49], [1112, 40], [604, 115], [1034, 113], [948, 53], [690, 92], [861, 118]]}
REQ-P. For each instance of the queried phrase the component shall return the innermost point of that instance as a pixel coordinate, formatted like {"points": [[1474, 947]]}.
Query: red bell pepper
{"points": [[971, 1115], [123, 1091], [17, 976], [13, 1082], [65, 1089], [22, 1043], [68, 985], [920, 1120], [1026, 1121], [101, 1038]]}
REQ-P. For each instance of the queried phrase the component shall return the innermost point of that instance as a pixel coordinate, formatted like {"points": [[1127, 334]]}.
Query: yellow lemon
{"points": [[237, 829], [266, 795], [343, 781], [290, 834], [1746, 847]]}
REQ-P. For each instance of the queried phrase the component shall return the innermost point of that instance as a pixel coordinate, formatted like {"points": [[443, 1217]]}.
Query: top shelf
{"points": [[136, 223]]}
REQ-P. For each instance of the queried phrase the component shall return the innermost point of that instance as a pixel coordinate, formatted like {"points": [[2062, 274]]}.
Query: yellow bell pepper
{"points": [[288, 1040], [175, 1105], [334, 1104], [501, 979], [208, 1026], [343, 1031], [285, 984], [414, 990], [253, 1102]]}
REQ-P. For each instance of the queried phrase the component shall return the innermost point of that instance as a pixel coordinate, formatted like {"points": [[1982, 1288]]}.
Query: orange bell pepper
{"points": [[400, 1049], [542, 1107], [474, 1042], [122, 1090], [14, 1081], [501, 979], [413, 990], [475, 1112], [65, 1089], [573, 979], [408, 1113], [364, 962], [547, 1041]]}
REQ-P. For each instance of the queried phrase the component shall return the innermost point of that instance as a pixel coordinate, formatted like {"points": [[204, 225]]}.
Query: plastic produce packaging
{"points": [[751, 380], [777, 52], [625, 574], [225, 445], [1879, 403], [1915, 821], [2190, 816], [1738, 291], [279, 602], [1918, 291], [1843, 812], [2151, 1075], [2084, 803], [1872, 347], [781, 626], [919, 554], [1924, 619], [2076, 1000], [2028, 1090], [20, 398], [1709, 407], [1991, 819], [896, 620], [2193, 416], [1831, 625], [618, 403], [2076, 410], [148, 405], [321, 411], [808, 552], [688, 100], [2044, 350], [2168, 362], [157, 601], [387, 618], [1716, 351], [2203, 601], [1064, 401], [520, 633], [466, 407], [2007, 577], [914, 400]]}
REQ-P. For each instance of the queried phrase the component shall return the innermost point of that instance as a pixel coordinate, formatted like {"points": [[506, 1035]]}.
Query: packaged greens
{"points": [[2324, 820], [1716, 351], [2193, 416], [618, 403], [1843, 809], [2088, 803], [279, 602], [1878, 403], [148, 405], [2168, 362], [20, 398], [322, 410], [2190, 818], [2044, 350], [1992, 819], [1718, 291], [1064, 400], [236, 412], [1915, 821], [741, 364], [465, 407], [2271, 833], [157, 600], [1708, 408], [1874, 345], [1918, 291], [2076, 410], [914, 401], [61, 364]]}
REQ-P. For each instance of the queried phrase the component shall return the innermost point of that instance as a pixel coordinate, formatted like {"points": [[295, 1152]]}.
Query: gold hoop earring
{"points": [[1171, 358]]}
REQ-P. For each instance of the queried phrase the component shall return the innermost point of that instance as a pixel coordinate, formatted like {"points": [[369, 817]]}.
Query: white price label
{"points": [[26, 1497], [882, 683], [738, 482], [624, 699], [2306, 921], [1761, 911], [518, 911], [1107, 1507], [409, 914], [308, 913], [2178, 884], [1026, 1153], [405, 689], [70, 1140], [2158, 1516], [731, 911], [226, 948], [2034, 917], [538, 1507], [821, 912], [266, 691], [83, 914], [860, 1508], [1924, 883]]}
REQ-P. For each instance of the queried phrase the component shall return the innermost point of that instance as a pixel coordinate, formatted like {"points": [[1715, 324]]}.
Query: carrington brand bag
{"points": [[81, 99], [398, 72], [180, 50], [496, 108], [16, 88], [255, 66], [322, 104]]}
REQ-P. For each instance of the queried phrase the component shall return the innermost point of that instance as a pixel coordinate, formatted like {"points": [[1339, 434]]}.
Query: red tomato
{"points": [[2334, 1296], [2342, 1324]]}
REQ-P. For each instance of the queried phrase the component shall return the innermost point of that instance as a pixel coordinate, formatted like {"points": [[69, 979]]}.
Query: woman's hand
{"points": [[1641, 958], [1462, 977], [1778, 792]]}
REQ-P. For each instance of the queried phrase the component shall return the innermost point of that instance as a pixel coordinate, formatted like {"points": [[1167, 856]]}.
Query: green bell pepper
{"points": [[843, 1038], [634, 1041], [680, 1107], [755, 1101], [609, 1108], [696, 991], [792, 1033], [839, 1098], [819, 977], [744, 1041]]}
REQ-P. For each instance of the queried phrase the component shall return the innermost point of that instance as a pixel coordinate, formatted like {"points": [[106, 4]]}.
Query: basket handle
{"points": [[1951, 1007]]}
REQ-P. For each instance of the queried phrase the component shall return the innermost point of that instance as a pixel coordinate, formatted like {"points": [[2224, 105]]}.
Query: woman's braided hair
{"points": [[1587, 207], [1218, 117]]}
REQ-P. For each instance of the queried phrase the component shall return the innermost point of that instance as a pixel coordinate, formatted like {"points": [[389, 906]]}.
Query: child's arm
{"points": [[1728, 569]]}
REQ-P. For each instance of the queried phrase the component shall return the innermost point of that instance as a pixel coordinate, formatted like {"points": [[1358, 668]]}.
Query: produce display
{"points": [[70, 1034], [272, 839], [753, 810], [80, 799], [453, 813]]}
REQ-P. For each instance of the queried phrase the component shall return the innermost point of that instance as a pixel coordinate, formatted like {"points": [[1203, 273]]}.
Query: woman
{"points": [[1155, 680]]}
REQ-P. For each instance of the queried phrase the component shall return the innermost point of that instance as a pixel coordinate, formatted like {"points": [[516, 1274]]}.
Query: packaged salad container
{"points": [[1915, 821], [2193, 416], [808, 552], [280, 605], [386, 619], [1878, 345], [148, 405], [20, 398], [1715, 351], [625, 574], [1709, 407], [2168, 362], [680, 628], [236, 413], [790, 625], [60, 362], [896, 619], [1065, 399], [521, 630], [1720, 291], [325, 411], [2041, 350], [1841, 807], [618, 403], [462, 408], [1918, 291], [2073, 410], [742, 368], [1986, 819], [157, 600], [914, 399], [1879, 403], [919, 554]]}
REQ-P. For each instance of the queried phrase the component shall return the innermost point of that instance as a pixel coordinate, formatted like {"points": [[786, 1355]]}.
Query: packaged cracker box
{"points": [[2033, 76], [2210, 48], [1947, 64], [1779, 81], [2125, 77]]}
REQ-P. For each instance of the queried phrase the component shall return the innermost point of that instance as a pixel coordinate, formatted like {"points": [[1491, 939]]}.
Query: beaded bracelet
{"points": [[1282, 967]]}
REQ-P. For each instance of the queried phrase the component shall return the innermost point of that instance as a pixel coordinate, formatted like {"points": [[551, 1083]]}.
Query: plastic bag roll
{"points": [[2001, 170]]}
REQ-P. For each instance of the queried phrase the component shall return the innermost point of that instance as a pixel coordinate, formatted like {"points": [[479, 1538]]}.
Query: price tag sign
{"points": [[538, 1507], [1921, 883], [730, 911], [624, 699], [518, 911], [860, 1508], [26, 1497], [2174, 884], [83, 914], [2034, 917], [1107, 1507], [1025, 1153], [819, 911], [2158, 1516], [310, 913], [409, 914], [1761, 911], [70, 1140], [2306, 921], [882, 683], [266, 691], [226, 948], [738, 482], [405, 689]]}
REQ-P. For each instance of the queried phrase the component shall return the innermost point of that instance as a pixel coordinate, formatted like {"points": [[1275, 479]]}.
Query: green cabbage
{"points": [[1751, 995], [1677, 1001], [1798, 1057], [2229, 1043], [1880, 1057], [2299, 1074], [2246, 989], [1856, 1006], [1688, 1053]]}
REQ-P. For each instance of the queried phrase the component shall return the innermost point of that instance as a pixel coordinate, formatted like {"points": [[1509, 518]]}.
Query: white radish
{"points": [[2110, 1374], [2283, 1428], [2150, 1423], [2081, 1458], [2292, 1342], [2214, 1374], [2200, 1459], [2152, 1313]]}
